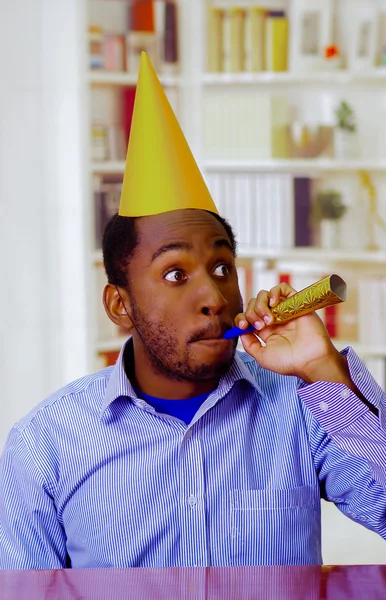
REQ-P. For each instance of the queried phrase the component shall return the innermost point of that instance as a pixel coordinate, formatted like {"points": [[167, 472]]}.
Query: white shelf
{"points": [[314, 255], [108, 167], [97, 77], [255, 166], [338, 77], [295, 165]]}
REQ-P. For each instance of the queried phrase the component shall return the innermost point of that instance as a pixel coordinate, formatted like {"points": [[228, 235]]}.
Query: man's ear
{"points": [[117, 306]]}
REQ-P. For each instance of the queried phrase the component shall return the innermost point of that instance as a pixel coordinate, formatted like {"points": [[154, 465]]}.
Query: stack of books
{"points": [[152, 27], [270, 211], [246, 39]]}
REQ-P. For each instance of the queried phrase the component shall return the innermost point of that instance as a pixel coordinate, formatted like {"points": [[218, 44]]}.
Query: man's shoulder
{"points": [[86, 392]]}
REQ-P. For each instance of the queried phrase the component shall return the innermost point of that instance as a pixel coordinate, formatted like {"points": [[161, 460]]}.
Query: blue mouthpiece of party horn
{"points": [[235, 331]]}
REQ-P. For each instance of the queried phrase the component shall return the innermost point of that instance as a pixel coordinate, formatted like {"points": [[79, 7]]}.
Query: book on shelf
{"points": [[116, 143], [255, 26], [153, 27], [247, 38], [233, 40], [108, 142], [107, 195], [170, 53], [114, 50], [141, 35], [248, 126], [274, 210], [258, 206], [276, 41], [141, 15], [108, 358], [107, 49], [304, 235], [214, 39], [99, 141], [96, 49], [150, 26]]}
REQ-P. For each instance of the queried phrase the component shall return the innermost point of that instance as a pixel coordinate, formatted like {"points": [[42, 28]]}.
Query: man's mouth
{"points": [[214, 333]]}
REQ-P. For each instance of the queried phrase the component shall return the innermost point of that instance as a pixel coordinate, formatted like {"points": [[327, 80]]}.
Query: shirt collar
{"points": [[238, 371], [119, 385]]}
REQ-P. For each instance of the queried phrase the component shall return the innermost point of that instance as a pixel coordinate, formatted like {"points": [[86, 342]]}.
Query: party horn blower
{"points": [[326, 292]]}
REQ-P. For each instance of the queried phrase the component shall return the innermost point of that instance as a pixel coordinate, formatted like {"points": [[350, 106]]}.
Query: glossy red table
{"points": [[273, 583]]}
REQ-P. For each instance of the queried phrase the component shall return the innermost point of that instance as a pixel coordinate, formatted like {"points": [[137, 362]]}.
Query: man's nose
{"points": [[211, 300]]}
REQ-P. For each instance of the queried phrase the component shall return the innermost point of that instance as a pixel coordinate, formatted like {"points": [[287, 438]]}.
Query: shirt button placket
{"points": [[193, 549]]}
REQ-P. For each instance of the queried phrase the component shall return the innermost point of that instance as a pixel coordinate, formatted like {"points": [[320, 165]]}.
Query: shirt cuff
{"points": [[335, 406]]}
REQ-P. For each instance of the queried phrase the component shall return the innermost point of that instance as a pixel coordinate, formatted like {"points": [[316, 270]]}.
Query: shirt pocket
{"points": [[275, 526]]}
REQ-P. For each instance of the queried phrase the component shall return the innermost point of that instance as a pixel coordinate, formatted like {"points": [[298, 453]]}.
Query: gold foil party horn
{"points": [[326, 292]]}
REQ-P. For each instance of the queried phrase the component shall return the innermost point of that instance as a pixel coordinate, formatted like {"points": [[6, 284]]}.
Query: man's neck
{"points": [[159, 385]]}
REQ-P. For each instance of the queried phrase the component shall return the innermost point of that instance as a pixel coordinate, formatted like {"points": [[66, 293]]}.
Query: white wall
{"points": [[42, 299]]}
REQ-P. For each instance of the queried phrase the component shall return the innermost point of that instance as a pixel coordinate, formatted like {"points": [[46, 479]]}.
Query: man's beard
{"points": [[161, 344]]}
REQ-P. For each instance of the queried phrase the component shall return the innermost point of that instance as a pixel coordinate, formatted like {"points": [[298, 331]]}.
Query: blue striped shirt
{"points": [[95, 477]]}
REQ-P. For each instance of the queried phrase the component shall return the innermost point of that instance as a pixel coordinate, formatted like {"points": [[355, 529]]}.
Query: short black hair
{"points": [[120, 239]]}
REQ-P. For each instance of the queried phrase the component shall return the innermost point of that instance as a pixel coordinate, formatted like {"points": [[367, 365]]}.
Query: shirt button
{"points": [[345, 393], [188, 434], [323, 406], [192, 501], [360, 375]]}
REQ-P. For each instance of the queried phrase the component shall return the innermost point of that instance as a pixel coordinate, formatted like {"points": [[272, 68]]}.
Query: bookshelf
{"points": [[313, 92], [194, 92]]}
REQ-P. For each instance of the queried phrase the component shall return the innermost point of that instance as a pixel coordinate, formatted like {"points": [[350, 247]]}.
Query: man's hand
{"points": [[300, 347]]}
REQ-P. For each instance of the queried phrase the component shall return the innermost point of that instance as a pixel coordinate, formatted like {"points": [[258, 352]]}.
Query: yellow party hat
{"points": [[161, 174]]}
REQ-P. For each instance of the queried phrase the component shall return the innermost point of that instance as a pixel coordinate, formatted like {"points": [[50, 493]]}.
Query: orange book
{"points": [[109, 357], [142, 16]]}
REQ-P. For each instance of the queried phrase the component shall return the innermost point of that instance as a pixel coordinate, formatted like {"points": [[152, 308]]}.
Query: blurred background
{"points": [[283, 103]]}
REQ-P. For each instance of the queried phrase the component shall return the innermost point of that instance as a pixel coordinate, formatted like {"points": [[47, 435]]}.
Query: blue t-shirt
{"points": [[181, 409]]}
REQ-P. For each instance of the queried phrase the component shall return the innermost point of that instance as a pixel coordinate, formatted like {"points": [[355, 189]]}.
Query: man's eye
{"points": [[222, 270], [174, 276]]}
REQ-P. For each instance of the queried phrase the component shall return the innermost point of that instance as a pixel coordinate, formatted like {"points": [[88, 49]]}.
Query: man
{"points": [[185, 452]]}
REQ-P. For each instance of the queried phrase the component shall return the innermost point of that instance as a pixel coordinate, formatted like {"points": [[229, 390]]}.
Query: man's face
{"points": [[184, 294]]}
